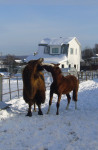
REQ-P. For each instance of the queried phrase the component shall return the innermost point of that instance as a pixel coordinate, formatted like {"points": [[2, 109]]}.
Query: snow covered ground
{"points": [[70, 130]]}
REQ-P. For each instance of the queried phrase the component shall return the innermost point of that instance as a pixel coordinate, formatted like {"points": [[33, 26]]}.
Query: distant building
{"points": [[66, 51], [90, 63]]}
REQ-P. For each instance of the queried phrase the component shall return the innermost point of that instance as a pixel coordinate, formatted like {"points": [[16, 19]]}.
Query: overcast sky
{"points": [[24, 23]]}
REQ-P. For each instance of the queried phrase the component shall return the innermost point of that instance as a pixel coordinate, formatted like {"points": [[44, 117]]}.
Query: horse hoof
{"points": [[29, 114], [40, 113], [57, 113]]}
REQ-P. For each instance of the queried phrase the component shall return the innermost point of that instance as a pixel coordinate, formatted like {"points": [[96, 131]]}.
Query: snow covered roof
{"points": [[56, 41], [51, 58], [48, 58], [18, 61]]}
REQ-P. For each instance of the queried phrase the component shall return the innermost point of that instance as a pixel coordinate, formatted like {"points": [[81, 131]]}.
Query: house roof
{"points": [[58, 41], [48, 58], [51, 58], [18, 61]]}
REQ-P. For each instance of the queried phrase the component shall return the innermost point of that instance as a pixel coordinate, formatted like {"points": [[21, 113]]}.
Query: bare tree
{"points": [[87, 53], [9, 59], [95, 50], [10, 62]]}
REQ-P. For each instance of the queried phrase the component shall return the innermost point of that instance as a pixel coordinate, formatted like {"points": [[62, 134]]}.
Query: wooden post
{"points": [[86, 76], [82, 76], [92, 75], [10, 88], [79, 77], [17, 87], [0, 87]]}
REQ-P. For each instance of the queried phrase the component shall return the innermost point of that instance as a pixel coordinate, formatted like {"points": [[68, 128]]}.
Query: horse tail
{"points": [[74, 95], [75, 92], [26, 80]]}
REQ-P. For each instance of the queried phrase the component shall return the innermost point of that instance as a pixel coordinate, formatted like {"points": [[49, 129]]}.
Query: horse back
{"points": [[67, 84]]}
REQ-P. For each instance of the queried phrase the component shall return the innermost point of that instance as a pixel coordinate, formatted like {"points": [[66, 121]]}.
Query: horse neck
{"points": [[56, 76], [29, 77]]}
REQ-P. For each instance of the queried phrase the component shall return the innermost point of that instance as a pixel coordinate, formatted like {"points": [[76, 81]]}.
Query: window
{"points": [[46, 50], [71, 50], [62, 65], [69, 65], [74, 66], [55, 50], [64, 48]]}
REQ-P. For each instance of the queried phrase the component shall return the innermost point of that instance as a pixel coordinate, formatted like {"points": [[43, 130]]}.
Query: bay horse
{"points": [[61, 85], [33, 85]]}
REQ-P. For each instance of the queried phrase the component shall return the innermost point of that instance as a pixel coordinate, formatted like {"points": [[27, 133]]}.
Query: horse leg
{"points": [[75, 97], [50, 101], [29, 111], [68, 99], [58, 104], [34, 107], [40, 111]]}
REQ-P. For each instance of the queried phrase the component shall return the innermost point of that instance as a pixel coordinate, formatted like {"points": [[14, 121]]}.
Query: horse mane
{"points": [[27, 72], [31, 72]]}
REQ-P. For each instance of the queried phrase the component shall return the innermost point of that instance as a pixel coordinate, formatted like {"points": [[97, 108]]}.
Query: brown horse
{"points": [[33, 85], [61, 85]]}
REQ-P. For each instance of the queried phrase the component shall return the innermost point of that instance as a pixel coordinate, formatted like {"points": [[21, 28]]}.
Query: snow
{"points": [[70, 130], [13, 86], [55, 59], [18, 61], [51, 58], [47, 58], [3, 105], [56, 41]]}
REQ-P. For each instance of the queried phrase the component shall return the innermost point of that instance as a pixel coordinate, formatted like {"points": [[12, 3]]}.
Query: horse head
{"points": [[36, 65], [53, 68], [50, 67]]}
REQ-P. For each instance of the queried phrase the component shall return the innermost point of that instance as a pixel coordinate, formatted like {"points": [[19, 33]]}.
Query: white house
{"points": [[66, 51]]}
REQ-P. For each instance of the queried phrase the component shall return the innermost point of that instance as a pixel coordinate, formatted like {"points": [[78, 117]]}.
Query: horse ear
{"points": [[41, 60]]}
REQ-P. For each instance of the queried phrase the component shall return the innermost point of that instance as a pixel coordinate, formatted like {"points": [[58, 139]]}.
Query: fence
{"points": [[15, 84], [10, 87], [87, 75]]}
